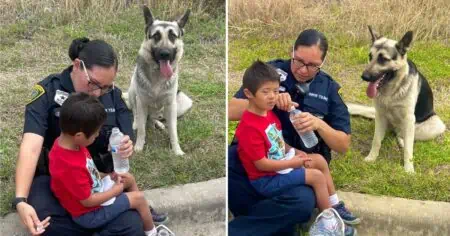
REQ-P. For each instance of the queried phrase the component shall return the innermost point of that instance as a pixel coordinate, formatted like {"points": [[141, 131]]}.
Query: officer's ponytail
{"points": [[76, 47], [312, 37], [95, 52]]}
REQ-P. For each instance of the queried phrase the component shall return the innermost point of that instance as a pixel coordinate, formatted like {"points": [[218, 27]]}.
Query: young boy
{"points": [[75, 180], [262, 149]]}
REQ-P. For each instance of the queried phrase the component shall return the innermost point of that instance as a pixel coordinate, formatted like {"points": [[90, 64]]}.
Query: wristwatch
{"points": [[18, 200]]}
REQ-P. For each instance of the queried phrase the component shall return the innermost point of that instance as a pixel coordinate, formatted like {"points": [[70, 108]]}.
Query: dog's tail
{"points": [[184, 103], [429, 129], [361, 110]]}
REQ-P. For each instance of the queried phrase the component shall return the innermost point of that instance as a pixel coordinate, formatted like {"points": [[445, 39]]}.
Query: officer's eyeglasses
{"points": [[298, 63], [93, 85]]}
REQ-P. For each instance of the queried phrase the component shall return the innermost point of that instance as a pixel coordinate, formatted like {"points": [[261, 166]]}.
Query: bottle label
{"points": [[114, 149]]}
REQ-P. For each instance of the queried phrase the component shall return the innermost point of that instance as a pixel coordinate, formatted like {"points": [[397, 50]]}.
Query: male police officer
{"points": [[323, 111]]}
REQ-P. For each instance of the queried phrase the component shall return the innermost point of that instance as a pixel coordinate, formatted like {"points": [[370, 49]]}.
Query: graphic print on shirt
{"points": [[275, 136], [95, 175]]}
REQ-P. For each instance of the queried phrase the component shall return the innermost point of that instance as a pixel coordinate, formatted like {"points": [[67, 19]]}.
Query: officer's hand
{"points": [[284, 102], [305, 122], [126, 147], [30, 220]]}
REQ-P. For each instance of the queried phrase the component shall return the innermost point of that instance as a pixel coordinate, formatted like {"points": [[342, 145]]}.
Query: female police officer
{"points": [[303, 84], [93, 69]]}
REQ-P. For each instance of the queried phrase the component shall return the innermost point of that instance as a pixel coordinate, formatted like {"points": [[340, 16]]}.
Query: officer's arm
{"points": [[337, 140], [36, 113], [30, 149], [336, 131], [237, 105]]}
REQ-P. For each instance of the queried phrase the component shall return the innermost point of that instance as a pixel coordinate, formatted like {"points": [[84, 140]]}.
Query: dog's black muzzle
{"points": [[164, 54], [369, 77]]}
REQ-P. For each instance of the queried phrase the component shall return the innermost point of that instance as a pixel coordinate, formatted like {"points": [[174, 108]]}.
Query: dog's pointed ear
{"points": [[183, 19], [374, 34], [403, 45], [147, 16]]}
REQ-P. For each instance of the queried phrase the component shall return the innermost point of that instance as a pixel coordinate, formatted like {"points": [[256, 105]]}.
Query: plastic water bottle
{"points": [[121, 165], [309, 138], [327, 223]]}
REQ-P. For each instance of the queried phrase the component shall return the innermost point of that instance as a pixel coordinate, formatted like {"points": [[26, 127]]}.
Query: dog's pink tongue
{"points": [[372, 89], [165, 69]]}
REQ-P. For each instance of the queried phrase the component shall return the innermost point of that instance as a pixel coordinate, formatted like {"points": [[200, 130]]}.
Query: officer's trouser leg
{"points": [[42, 199], [45, 204], [257, 216]]}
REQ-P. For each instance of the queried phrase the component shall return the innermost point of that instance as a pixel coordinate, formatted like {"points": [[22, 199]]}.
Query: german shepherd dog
{"points": [[402, 97], [154, 85]]}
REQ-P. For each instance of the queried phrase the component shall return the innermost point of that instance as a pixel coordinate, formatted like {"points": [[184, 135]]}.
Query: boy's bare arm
{"points": [[268, 165], [297, 152], [97, 199]]}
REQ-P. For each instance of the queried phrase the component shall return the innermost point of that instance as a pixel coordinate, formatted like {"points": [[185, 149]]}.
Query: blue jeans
{"points": [[255, 214], [128, 223]]}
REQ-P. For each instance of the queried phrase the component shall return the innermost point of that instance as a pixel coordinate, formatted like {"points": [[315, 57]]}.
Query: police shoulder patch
{"points": [[37, 91]]}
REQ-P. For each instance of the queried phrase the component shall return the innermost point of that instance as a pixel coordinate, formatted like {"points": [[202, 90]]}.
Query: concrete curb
{"points": [[382, 215], [194, 209]]}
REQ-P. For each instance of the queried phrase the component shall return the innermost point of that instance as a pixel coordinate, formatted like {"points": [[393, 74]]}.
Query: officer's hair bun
{"points": [[76, 47]]}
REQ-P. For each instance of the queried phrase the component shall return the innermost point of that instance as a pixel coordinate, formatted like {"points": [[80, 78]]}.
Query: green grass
{"points": [[345, 63], [38, 45]]}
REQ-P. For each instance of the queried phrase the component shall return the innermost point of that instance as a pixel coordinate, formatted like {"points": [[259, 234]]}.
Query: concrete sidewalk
{"points": [[397, 216], [194, 209]]}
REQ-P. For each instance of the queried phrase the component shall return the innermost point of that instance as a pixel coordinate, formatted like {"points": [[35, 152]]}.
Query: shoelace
{"points": [[343, 211]]}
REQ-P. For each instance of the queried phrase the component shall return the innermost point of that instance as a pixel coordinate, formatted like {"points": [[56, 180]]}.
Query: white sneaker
{"points": [[164, 231]]}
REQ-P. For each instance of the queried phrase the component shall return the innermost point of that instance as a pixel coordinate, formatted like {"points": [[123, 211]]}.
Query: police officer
{"points": [[93, 69], [315, 93]]}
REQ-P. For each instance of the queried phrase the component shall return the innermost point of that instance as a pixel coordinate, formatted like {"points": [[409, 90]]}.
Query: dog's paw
{"points": [[409, 167], [178, 152], [139, 146], [370, 158], [401, 143]]}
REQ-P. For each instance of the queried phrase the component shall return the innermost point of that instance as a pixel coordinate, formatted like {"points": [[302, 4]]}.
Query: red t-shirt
{"points": [[259, 137], [74, 177]]}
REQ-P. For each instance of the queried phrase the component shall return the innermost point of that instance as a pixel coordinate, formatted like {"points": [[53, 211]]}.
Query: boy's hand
{"points": [[127, 179], [285, 102], [118, 186], [299, 161]]}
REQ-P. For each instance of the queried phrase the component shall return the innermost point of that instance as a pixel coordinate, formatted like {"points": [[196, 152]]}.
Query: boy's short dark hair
{"points": [[257, 74], [81, 113]]}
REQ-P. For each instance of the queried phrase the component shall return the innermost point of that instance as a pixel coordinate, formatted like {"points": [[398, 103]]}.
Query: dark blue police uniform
{"points": [[42, 118], [257, 215]]}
